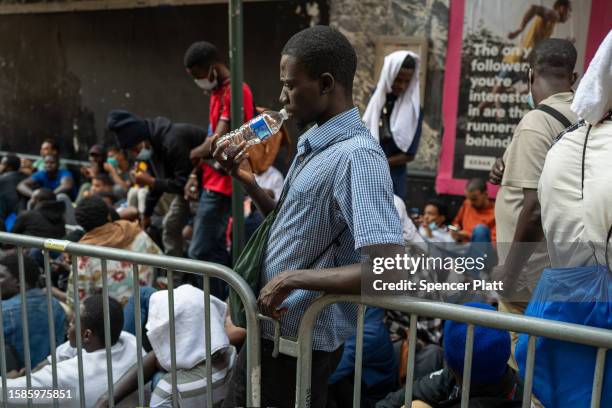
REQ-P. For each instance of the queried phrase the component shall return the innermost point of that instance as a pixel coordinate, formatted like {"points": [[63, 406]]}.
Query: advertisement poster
{"points": [[486, 89]]}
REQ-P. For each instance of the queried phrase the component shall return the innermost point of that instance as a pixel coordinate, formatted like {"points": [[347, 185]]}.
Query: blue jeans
{"points": [[480, 245], [208, 241], [129, 318], [398, 176]]}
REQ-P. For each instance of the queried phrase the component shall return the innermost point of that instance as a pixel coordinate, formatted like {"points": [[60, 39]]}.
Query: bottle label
{"points": [[260, 128]]}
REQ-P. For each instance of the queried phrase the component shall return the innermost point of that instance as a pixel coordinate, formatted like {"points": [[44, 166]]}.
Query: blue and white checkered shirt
{"points": [[345, 183]]}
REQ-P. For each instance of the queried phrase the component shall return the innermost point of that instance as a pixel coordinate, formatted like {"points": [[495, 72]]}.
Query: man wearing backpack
{"points": [[521, 247]]}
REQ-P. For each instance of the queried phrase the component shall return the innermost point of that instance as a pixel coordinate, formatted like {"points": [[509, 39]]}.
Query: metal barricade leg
{"points": [[3, 356], [467, 367], [170, 275], [24, 321], [358, 357], [77, 322], [411, 358], [209, 381], [529, 372], [138, 328], [600, 364], [51, 322], [107, 334]]}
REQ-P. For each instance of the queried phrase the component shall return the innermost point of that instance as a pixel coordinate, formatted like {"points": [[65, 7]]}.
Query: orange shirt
{"points": [[468, 217]]}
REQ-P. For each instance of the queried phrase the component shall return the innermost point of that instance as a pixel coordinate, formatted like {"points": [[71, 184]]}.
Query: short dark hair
{"points": [[45, 194], [52, 142], [440, 205], [104, 178], [201, 53], [321, 49], [30, 268], [409, 62], [476, 184], [554, 57], [91, 212], [561, 3], [93, 318], [13, 162]]}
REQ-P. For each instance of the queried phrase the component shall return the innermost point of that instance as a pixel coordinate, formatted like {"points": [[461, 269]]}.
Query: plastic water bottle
{"points": [[257, 129]]}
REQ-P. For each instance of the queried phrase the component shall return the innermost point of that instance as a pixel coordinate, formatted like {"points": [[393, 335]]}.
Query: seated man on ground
{"points": [[493, 382], [476, 217], [58, 180], [10, 177], [94, 216], [46, 219], [379, 365], [48, 147], [121, 209], [96, 159], [190, 351], [433, 222], [123, 356], [118, 168], [39, 337]]}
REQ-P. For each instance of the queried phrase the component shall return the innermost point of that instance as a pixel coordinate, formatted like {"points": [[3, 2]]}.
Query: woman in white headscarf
{"points": [[394, 115]]}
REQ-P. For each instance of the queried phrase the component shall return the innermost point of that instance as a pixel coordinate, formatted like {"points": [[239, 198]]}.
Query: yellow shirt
{"points": [[539, 30]]}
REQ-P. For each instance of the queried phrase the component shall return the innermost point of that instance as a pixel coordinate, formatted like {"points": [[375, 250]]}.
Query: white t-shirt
{"points": [[123, 355], [409, 231], [576, 221], [271, 179], [440, 234]]}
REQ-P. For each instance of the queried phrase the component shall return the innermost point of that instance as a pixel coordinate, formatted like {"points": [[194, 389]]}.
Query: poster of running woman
{"points": [[486, 80]]}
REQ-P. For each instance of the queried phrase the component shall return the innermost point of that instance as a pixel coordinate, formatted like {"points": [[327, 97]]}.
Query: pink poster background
{"points": [[600, 23]]}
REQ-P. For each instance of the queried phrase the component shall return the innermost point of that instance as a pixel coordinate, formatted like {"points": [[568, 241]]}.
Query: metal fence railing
{"points": [[170, 264], [535, 327]]}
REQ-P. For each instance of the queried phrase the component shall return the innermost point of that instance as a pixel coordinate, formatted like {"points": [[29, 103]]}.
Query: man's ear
{"points": [[327, 82], [86, 337], [574, 78]]}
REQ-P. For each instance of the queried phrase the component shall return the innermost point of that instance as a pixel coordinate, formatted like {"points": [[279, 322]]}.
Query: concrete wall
{"points": [[60, 73]]}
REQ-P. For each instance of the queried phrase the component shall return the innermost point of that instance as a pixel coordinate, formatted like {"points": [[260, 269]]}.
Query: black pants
{"points": [[278, 378]]}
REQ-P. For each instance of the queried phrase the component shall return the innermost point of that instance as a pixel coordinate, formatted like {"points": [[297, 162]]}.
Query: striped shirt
{"points": [[192, 384], [339, 178]]}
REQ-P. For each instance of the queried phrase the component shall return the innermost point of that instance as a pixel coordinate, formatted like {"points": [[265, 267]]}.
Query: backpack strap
{"points": [[607, 245], [555, 114]]}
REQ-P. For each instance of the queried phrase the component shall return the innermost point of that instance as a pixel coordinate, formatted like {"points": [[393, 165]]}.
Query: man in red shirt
{"points": [[476, 217], [203, 62]]}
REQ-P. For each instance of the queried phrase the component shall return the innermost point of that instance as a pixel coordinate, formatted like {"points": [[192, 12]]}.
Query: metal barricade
{"points": [[171, 265], [535, 327]]}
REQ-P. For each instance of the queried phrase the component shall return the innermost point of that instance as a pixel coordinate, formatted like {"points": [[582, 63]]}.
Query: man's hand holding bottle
{"points": [[232, 159]]}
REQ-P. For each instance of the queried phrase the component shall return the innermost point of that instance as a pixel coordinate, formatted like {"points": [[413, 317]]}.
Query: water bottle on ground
{"points": [[257, 129]]}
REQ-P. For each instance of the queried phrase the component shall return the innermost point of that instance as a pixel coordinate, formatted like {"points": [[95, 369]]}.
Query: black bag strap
{"points": [[607, 247], [555, 114]]}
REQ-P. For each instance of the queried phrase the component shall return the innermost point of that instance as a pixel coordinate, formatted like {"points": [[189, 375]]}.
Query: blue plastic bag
{"points": [[563, 375]]}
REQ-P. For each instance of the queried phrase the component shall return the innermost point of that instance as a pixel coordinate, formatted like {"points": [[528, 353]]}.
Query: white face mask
{"points": [[530, 100], [144, 154], [205, 83]]}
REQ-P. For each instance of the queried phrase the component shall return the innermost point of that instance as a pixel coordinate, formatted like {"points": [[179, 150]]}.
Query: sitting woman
{"points": [[94, 216]]}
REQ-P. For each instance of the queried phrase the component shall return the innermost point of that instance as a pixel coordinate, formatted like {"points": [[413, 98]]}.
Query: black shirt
{"points": [[386, 137]]}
